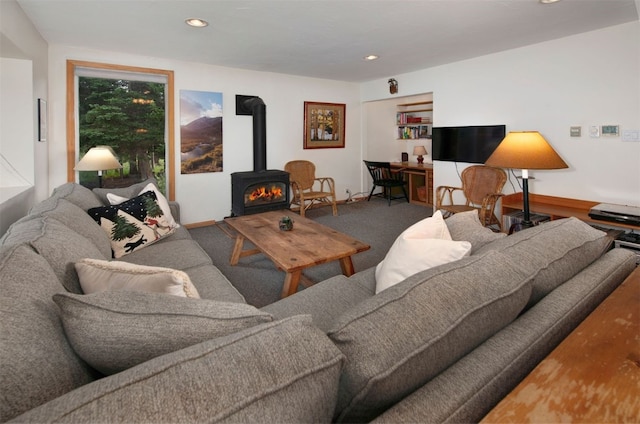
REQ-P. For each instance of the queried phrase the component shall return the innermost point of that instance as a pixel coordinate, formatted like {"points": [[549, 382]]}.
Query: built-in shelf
{"points": [[414, 120]]}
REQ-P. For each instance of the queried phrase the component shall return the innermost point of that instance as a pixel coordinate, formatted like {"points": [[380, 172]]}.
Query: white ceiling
{"points": [[320, 38]]}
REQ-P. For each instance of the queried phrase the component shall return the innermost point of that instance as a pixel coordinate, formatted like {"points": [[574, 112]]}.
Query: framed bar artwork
{"points": [[324, 125]]}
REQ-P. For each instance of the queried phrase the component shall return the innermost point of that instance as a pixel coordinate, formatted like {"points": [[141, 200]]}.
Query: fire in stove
{"points": [[265, 194]]}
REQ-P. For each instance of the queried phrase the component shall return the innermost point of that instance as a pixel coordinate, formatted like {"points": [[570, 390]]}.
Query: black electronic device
{"points": [[616, 213], [473, 144], [405, 157]]}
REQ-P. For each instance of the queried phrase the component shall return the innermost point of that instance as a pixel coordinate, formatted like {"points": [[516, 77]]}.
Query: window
{"points": [[129, 109]]}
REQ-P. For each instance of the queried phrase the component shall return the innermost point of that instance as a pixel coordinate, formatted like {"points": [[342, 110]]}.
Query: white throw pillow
{"points": [[424, 245], [114, 199], [98, 276]]}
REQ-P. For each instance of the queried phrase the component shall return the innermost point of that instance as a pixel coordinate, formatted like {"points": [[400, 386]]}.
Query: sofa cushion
{"points": [[78, 195], [212, 284], [37, 363], [126, 192], [97, 276], [401, 338], [114, 331], [421, 246], [466, 226], [554, 251], [114, 199], [324, 302], [281, 372], [133, 224], [58, 244], [76, 218]]}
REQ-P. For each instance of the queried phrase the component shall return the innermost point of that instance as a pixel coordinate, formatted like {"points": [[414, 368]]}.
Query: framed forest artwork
{"points": [[324, 125]]}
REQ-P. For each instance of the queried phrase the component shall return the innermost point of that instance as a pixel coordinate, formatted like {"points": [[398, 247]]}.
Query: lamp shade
{"points": [[525, 150], [98, 158], [419, 150]]}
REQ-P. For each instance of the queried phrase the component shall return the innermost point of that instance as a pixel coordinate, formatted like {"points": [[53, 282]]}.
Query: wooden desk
{"points": [[418, 175], [557, 208], [592, 376]]}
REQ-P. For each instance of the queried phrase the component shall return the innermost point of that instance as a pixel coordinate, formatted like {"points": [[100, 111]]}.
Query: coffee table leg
{"points": [[347, 266], [291, 281], [237, 249]]}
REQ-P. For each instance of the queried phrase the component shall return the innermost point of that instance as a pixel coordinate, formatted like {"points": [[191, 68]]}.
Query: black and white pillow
{"points": [[133, 224]]}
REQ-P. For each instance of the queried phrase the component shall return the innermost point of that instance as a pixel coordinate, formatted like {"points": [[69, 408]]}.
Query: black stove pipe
{"points": [[259, 111]]}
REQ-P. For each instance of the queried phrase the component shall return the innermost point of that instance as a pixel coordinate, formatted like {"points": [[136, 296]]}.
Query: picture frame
{"points": [[610, 130], [42, 120], [324, 125]]}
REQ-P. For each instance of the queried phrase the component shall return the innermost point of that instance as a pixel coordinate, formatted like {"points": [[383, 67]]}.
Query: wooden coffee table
{"points": [[307, 244]]}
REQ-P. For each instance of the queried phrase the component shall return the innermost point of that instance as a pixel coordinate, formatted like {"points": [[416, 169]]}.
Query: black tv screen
{"points": [[473, 144]]}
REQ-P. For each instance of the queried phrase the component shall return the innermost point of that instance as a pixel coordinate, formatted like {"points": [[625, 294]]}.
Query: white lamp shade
{"points": [[98, 158], [419, 151]]}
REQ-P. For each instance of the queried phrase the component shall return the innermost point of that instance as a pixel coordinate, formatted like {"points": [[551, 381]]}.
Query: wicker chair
{"points": [[383, 176], [307, 188], [482, 188]]}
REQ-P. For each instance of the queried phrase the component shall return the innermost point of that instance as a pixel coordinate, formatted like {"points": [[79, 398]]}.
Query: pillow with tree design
{"points": [[133, 224]]}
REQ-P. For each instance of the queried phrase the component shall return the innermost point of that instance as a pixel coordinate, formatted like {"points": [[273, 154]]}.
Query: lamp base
{"points": [[519, 226], [420, 159]]}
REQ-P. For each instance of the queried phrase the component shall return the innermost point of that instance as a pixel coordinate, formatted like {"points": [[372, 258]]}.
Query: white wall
{"points": [[21, 41], [587, 79], [205, 197], [16, 129]]}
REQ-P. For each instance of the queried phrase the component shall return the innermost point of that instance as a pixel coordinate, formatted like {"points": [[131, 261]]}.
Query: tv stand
{"points": [[557, 208]]}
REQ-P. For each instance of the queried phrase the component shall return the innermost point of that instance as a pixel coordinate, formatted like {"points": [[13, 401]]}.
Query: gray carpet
{"points": [[256, 277]]}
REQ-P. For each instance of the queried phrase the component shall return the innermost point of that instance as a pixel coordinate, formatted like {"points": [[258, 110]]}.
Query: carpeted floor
{"points": [[256, 277]]}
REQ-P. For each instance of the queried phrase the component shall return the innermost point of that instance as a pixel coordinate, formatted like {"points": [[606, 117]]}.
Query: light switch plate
{"points": [[594, 131], [630, 135]]}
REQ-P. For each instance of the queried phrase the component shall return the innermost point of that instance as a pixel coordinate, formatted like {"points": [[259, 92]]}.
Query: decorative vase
{"points": [[286, 223]]}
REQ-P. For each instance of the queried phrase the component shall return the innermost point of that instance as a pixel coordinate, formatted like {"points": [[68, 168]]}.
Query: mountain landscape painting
{"points": [[200, 132]]}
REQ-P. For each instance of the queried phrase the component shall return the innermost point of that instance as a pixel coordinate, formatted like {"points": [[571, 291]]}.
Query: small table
{"points": [[307, 244], [593, 376]]}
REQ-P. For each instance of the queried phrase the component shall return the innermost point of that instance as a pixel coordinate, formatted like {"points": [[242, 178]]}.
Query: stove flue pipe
{"points": [[253, 105]]}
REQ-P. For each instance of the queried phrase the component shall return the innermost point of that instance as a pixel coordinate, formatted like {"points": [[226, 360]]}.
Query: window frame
{"points": [[72, 65]]}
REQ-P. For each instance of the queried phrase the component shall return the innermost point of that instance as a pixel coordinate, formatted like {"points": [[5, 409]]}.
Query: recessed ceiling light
{"points": [[371, 57], [195, 22], [548, 1]]}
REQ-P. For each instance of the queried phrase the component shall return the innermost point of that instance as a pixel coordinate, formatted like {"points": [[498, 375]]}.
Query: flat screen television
{"points": [[473, 144]]}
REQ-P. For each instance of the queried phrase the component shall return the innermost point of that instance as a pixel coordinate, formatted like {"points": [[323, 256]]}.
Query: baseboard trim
{"points": [[200, 224]]}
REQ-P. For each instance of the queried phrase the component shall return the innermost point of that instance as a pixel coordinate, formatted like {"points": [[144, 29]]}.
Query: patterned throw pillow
{"points": [[133, 224]]}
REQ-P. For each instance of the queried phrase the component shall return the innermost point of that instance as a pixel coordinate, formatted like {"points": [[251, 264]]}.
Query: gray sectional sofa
{"points": [[444, 345]]}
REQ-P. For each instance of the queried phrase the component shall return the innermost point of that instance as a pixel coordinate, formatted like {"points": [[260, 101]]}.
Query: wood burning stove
{"points": [[260, 190], [255, 192]]}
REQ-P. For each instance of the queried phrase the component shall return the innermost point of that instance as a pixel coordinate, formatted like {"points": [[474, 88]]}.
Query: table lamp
{"points": [[525, 150], [419, 151], [99, 158]]}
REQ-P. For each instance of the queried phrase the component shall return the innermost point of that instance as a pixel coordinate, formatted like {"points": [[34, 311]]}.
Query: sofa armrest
{"points": [[175, 210]]}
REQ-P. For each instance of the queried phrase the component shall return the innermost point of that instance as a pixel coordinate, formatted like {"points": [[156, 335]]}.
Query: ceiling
{"points": [[320, 38]]}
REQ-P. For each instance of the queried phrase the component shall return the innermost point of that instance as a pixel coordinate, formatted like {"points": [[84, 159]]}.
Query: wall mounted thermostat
{"points": [[575, 131]]}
